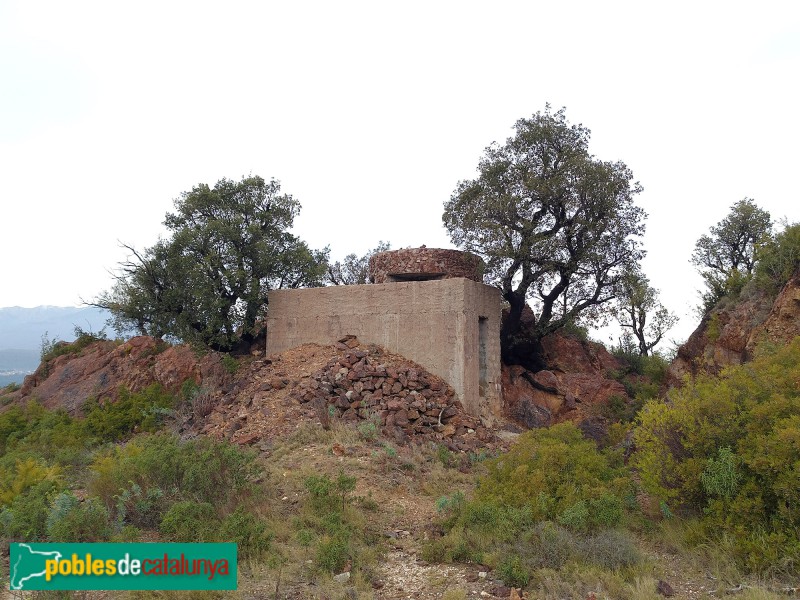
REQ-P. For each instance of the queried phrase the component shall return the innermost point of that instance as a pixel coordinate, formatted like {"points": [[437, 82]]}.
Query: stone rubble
{"points": [[398, 396]]}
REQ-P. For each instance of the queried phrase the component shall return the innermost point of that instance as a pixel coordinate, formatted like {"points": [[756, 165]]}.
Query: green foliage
{"points": [[727, 256], [445, 456], [553, 223], [246, 530], [575, 517], [190, 521], [512, 572], [141, 411], [9, 388], [778, 259], [728, 449], [25, 518], [140, 508], [25, 474], [713, 327], [367, 430], [201, 470], [230, 364], [327, 493], [73, 521], [207, 282], [354, 269], [535, 507], [50, 349], [639, 311], [451, 504], [333, 551], [551, 471], [721, 476]]}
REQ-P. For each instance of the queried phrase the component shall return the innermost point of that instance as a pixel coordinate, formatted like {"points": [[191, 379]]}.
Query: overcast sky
{"points": [[370, 113]]}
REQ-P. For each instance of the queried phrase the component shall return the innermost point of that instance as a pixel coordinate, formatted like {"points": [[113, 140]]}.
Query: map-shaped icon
{"points": [[27, 563]]}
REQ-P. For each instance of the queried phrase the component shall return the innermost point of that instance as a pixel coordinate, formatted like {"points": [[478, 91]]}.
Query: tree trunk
{"points": [[518, 345]]}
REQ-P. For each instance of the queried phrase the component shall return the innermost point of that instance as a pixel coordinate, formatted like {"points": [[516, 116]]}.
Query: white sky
{"points": [[370, 113]]}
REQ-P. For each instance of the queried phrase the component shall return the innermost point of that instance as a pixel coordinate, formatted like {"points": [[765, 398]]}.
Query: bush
{"points": [[141, 411], [189, 521], [50, 349], [557, 474], [202, 470], [610, 549], [25, 519], [778, 259], [246, 530], [333, 552], [512, 572], [141, 508], [726, 449], [73, 521]]}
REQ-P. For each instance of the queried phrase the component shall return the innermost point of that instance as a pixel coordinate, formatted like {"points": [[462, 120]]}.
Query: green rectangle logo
{"points": [[122, 566]]}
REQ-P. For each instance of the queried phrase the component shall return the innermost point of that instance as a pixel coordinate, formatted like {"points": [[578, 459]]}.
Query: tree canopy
{"points": [[207, 282], [353, 269], [553, 223], [641, 314], [726, 256]]}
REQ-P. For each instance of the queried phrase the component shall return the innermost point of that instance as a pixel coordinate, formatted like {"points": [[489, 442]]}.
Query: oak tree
{"points": [[207, 282], [639, 311], [726, 256], [353, 269], [554, 224]]}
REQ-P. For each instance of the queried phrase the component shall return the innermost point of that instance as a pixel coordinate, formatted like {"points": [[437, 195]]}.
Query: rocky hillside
{"points": [[729, 334], [260, 397], [102, 367], [577, 377]]}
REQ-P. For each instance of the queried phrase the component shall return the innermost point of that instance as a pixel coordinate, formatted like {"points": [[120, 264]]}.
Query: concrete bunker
{"points": [[427, 304]]}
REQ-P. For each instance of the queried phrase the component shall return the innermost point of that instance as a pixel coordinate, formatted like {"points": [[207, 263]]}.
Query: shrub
{"points": [[551, 471], [778, 259], [25, 474], [25, 519], [246, 530], [50, 349], [230, 364], [189, 521], [73, 521], [141, 411], [333, 552], [512, 572], [202, 470], [141, 508], [367, 430], [610, 549], [575, 517], [727, 450]]}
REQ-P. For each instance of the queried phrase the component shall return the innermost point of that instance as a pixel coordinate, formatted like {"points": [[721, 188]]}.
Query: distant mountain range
{"points": [[22, 331]]}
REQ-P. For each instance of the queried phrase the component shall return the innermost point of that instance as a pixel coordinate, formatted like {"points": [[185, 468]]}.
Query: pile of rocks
{"points": [[399, 396]]}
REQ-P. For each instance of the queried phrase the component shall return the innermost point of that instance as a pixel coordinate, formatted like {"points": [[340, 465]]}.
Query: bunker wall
{"points": [[450, 326]]}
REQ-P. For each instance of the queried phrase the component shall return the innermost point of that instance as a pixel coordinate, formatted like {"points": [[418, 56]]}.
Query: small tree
{"points": [[354, 269], [641, 313], [207, 282], [726, 258], [554, 225]]}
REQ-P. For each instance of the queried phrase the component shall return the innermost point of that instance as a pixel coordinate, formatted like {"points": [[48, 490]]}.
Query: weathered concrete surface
{"points": [[434, 323]]}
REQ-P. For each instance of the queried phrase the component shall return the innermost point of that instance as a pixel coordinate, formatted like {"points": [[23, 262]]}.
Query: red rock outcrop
{"points": [[576, 378], [101, 368], [730, 333]]}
